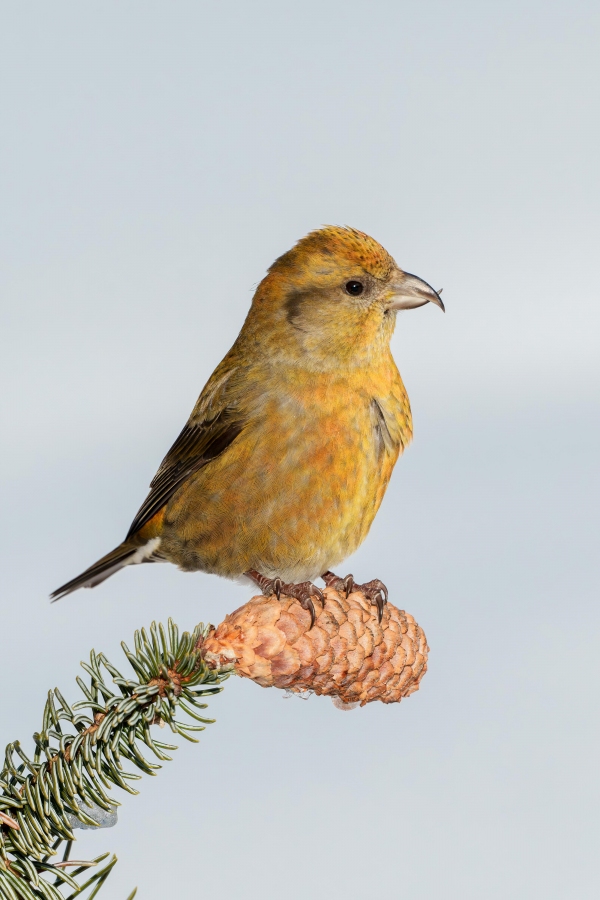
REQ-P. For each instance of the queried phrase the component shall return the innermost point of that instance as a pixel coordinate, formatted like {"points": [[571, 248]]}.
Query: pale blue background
{"points": [[156, 157]]}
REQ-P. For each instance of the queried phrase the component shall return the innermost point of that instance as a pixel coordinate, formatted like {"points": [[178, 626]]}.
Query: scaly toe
{"points": [[339, 584], [376, 592], [303, 592]]}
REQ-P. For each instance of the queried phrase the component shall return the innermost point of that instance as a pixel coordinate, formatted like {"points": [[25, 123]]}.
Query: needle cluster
{"points": [[81, 752], [83, 748]]}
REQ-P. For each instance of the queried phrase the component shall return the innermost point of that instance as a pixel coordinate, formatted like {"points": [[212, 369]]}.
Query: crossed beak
{"points": [[408, 292]]}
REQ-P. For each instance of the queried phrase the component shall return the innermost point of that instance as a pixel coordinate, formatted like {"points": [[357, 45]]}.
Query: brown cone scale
{"points": [[347, 654]]}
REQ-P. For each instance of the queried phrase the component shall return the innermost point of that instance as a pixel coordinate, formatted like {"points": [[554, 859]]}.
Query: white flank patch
{"points": [[144, 552]]}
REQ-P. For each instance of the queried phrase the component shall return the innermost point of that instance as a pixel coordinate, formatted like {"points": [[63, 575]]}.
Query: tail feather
{"points": [[125, 554]]}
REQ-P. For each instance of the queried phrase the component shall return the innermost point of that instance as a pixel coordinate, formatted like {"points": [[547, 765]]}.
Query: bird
{"points": [[283, 463]]}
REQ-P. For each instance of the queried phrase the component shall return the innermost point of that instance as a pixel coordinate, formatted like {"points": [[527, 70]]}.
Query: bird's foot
{"points": [[339, 584], [375, 591], [303, 592]]}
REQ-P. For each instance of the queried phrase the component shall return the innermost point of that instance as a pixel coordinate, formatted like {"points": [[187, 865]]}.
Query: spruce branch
{"points": [[81, 752], [347, 653]]}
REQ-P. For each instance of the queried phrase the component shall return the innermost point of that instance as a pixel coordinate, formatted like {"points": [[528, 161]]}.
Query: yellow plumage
{"points": [[286, 456]]}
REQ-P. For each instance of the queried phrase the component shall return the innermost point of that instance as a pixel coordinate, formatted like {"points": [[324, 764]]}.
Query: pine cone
{"points": [[347, 654]]}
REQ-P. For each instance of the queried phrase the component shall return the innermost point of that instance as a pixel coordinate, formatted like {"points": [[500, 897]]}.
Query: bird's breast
{"points": [[299, 487]]}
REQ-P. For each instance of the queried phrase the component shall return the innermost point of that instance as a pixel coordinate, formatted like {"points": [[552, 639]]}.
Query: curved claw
{"points": [[377, 593], [303, 592], [310, 606], [318, 593], [348, 584], [374, 590], [339, 584]]}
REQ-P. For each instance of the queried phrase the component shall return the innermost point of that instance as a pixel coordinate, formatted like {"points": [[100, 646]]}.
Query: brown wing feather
{"points": [[198, 443]]}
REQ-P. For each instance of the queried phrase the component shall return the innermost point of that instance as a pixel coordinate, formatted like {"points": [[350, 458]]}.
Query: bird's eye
{"points": [[354, 288]]}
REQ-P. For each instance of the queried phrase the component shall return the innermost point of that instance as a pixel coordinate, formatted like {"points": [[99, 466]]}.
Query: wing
{"points": [[210, 430]]}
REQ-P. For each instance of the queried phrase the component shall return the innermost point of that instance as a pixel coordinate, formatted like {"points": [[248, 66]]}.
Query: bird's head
{"points": [[335, 296]]}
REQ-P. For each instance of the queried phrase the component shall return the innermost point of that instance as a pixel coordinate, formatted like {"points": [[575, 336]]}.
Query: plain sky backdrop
{"points": [[156, 157]]}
